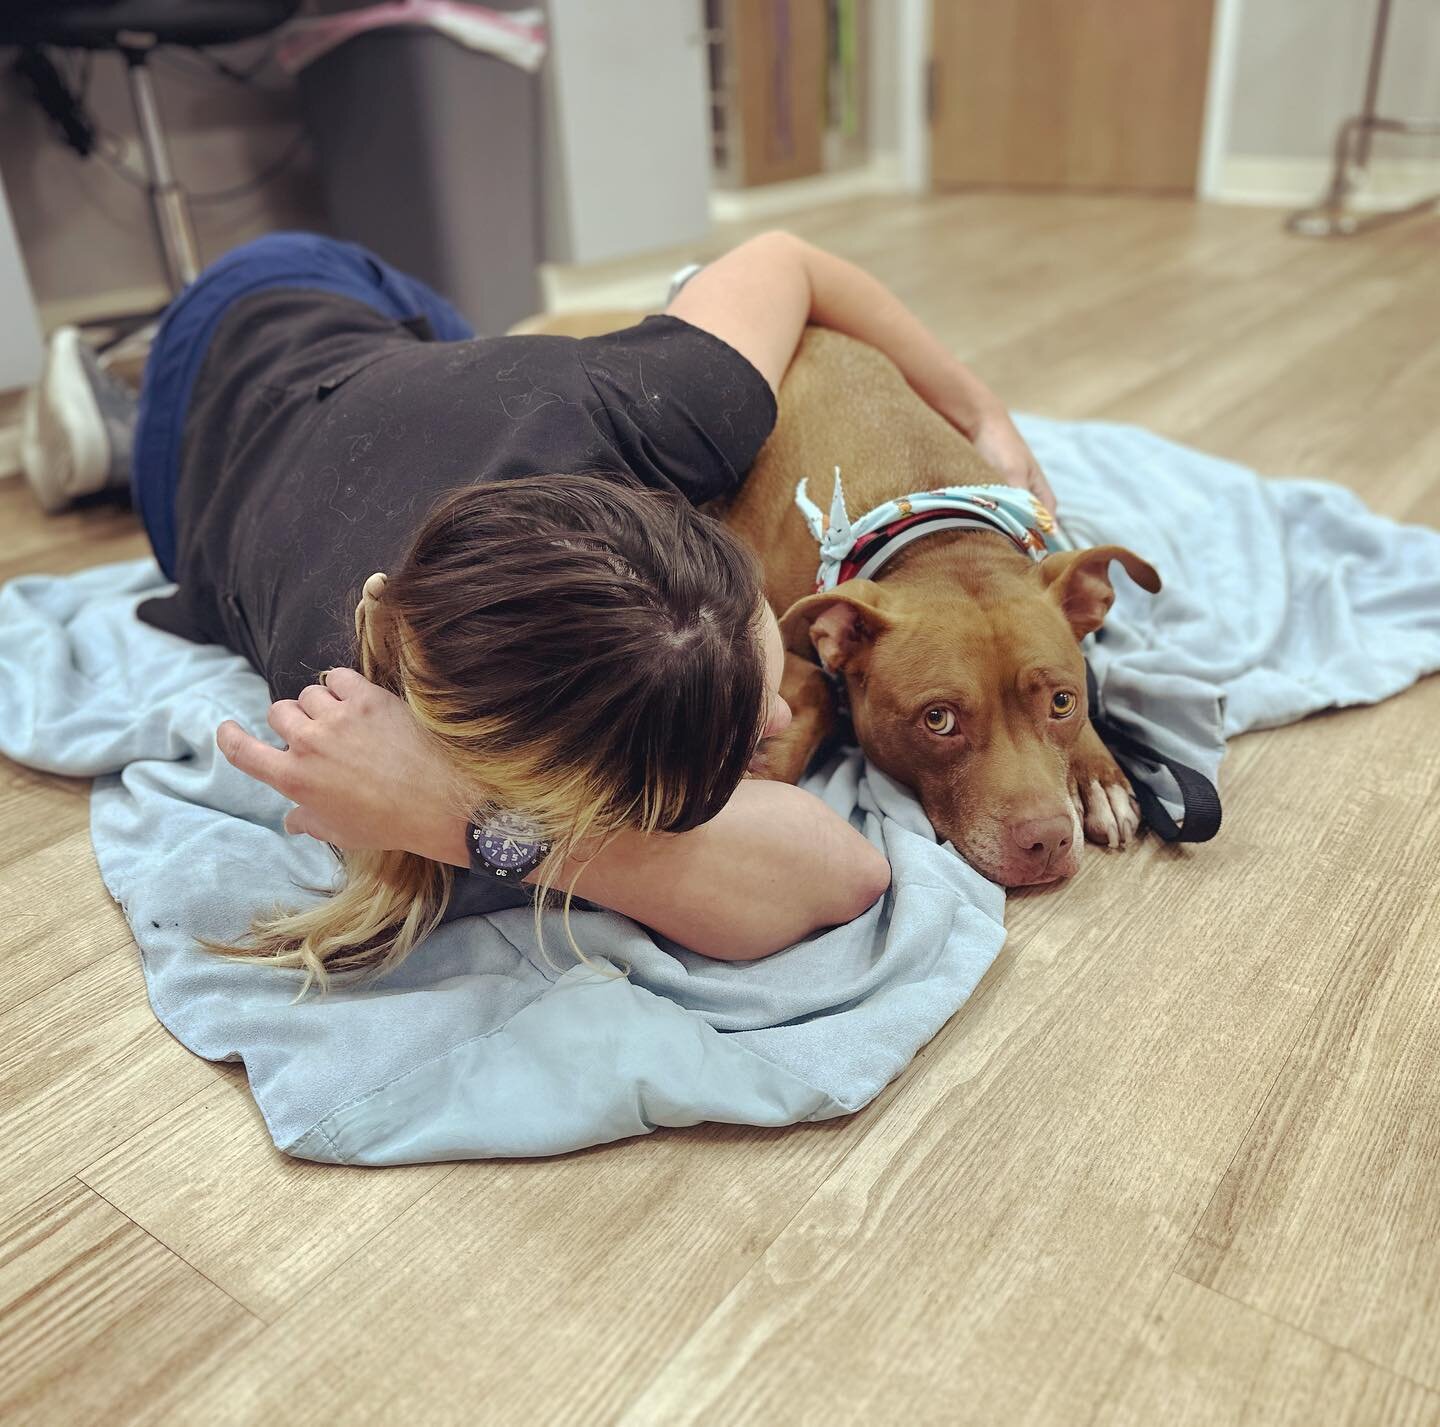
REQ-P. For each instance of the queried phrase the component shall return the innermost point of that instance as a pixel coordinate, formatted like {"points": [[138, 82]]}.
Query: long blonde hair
{"points": [[579, 649]]}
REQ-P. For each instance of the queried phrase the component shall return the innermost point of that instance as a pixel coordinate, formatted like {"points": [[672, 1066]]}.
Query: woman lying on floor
{"points": [[565, 668]]}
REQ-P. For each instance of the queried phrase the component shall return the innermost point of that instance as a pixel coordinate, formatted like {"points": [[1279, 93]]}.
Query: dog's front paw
{"points": [[1102, 797]]}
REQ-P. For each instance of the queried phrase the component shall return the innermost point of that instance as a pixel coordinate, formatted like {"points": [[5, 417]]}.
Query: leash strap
{"points": [[1201, 820]]}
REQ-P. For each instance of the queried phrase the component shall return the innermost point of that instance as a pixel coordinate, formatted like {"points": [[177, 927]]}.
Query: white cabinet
{"points": [[627, 128]]}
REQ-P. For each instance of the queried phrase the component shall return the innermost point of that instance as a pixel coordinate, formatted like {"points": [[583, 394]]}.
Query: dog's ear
{"points": [[840, 625], [1079, 582]]}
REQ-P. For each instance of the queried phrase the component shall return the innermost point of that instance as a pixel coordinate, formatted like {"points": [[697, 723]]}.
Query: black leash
{"points": [[1202, 802]]}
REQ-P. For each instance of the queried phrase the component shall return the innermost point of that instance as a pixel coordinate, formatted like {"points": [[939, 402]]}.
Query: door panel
{"points": [[1069, 93], [776, 52]]}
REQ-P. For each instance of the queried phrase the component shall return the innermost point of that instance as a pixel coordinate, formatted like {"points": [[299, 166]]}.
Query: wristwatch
{"points": [[505, 846]]}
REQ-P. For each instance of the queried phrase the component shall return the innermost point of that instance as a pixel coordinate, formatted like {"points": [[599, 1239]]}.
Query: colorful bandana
{"points": [[855, 550]]}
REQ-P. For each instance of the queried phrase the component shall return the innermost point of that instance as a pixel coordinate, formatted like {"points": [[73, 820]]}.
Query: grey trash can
{"points": [[429, 154]]}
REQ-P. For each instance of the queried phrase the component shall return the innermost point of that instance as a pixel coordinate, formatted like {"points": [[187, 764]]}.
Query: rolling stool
{"points": [[78, 420], [132, 29]]}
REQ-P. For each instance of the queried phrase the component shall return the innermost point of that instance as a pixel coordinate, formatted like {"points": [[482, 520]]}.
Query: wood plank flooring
{"points": [[1177, 1161]]}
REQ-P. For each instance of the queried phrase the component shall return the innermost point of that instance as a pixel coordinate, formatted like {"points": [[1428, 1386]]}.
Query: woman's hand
{"points": [[359, 769], [996, 438]]}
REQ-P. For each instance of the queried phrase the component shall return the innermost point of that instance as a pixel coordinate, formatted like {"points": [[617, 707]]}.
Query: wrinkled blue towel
{"points": [[1281, 597]]}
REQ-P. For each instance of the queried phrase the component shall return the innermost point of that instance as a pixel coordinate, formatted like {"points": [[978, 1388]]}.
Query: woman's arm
{"points": [[760, 297], [775, 865]]}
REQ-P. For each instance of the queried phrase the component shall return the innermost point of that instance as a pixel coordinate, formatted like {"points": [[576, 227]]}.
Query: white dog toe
{"points": [[1100, 821], [1126, 811]]}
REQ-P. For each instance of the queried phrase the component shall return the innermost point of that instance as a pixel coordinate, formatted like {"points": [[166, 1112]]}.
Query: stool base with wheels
{"points": [[1333, 216]]}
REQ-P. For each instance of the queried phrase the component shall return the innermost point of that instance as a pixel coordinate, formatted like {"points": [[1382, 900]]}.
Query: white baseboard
{"points": [[1296, 183], [577, 289], [883, 174], [58, 312]]}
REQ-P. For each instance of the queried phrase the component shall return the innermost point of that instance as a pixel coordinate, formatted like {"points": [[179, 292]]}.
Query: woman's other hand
{"points": [[359, 769], [998, 440]]}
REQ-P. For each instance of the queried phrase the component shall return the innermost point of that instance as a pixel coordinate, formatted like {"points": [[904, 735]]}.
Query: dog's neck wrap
{"points": [[856, 549]]}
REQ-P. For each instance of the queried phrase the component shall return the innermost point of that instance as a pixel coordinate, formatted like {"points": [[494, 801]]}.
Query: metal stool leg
{"points": [[167, 198], [1333, 216]]}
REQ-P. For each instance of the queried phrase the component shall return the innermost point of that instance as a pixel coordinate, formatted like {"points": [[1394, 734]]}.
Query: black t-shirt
{"points": [[321, 433]]}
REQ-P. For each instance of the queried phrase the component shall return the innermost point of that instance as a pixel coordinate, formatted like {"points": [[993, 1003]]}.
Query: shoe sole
{"points": [[63, 447]]}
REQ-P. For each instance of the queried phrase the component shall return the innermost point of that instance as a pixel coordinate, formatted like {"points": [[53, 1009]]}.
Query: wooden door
{"points": [[776, 61], [1068, 93]]}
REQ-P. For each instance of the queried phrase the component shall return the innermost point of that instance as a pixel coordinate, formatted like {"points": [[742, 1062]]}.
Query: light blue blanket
{"points": [[1280, 598]]}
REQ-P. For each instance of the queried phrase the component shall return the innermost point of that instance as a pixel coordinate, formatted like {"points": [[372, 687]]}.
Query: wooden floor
{"points": [[1177, 1161]]}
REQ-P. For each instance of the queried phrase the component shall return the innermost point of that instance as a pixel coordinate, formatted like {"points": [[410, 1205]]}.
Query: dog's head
{"points": [[973, 694]]}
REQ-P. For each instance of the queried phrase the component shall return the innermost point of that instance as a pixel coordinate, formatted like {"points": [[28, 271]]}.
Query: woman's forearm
{"points": [[775, 865], [760, 297], [772, 867], [848, 299]]}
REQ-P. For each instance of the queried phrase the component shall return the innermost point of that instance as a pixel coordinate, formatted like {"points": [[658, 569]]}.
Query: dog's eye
{"points": [[1063, 704], [940, 721]]}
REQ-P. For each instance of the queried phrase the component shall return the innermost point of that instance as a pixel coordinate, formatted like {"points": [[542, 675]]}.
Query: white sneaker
{"points": [[78, 427]]}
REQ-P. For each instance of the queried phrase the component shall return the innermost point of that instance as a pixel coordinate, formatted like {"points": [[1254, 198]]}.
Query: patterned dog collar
{"points": [[855, 550]]}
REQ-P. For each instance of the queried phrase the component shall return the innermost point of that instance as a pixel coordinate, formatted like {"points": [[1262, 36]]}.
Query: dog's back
{"points": [[842, 403]]}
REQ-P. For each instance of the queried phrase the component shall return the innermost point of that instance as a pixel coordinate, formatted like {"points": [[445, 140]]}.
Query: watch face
{"points": [[508, 843]]}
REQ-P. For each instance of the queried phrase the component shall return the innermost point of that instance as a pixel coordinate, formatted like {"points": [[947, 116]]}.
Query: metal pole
{"points": [[1372, 84], [167, 198], [1332, 215]]}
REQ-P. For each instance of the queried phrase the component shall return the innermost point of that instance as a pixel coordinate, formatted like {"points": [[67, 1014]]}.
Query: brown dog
{"points": [[961, 659]]}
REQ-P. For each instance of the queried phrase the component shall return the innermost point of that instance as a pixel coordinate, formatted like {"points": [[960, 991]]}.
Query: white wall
{"points": [[627, 142], [1296, 71]]}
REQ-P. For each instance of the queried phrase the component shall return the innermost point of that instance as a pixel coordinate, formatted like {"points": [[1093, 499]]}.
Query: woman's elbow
{"points": [[851, 886], [862, 880], [779, 240]]}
